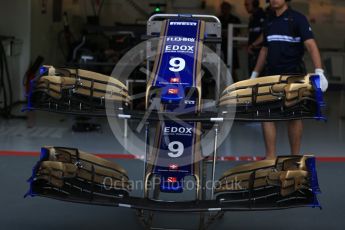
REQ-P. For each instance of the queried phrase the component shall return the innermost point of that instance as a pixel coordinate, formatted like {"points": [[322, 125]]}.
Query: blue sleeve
{"points": [[304, 29]]}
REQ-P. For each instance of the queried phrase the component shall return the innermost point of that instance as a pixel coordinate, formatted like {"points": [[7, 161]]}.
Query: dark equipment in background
{"points": [[138, 8], [101, 47], [29, 76], [57, 10], [6, 88], [7, 103], [66, 39], [6, 93]]}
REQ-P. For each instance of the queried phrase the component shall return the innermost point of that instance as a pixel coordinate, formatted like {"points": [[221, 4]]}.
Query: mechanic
{"points": [[285, 36], [255, 26], [227, 17]]}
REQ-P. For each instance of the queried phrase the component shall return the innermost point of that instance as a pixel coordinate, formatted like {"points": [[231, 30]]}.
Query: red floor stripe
{"points": [[19, 153], [330, 159], [132, 157]]}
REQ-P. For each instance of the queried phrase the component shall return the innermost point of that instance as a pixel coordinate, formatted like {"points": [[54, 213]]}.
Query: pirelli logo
{"points": [[183, 23]]}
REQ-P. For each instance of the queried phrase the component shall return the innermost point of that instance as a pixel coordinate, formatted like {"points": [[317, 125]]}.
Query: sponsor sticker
{"points": [[183, 24], [180, 39], [178, 130], [179, 49]]}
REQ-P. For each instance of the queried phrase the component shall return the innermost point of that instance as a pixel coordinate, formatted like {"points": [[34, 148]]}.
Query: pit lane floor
{"points": [[19, 146], [40, 213]]}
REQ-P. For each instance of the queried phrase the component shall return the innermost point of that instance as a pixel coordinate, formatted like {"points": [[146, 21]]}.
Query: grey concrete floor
{"points": [[41, 213]]}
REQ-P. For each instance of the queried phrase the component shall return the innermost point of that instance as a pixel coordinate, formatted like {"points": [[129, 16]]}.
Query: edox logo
{"points": [[180, 130], [178, 48]]}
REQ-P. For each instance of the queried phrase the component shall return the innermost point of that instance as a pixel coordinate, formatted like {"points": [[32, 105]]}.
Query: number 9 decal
{"points": [[177, 64], [176, 149]]}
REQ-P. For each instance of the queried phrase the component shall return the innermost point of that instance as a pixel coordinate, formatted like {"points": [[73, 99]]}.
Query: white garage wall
{"points": [[15, 21]]}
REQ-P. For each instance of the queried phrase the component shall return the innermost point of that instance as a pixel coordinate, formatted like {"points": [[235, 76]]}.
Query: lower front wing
{"points": [[223, 203], [72, 175]]}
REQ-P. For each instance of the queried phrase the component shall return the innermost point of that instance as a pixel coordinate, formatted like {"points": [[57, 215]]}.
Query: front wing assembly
{"points": [[75, 176]]}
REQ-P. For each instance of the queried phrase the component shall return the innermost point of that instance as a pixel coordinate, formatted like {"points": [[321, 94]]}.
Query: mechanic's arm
{"points": [[260, 64], [314, 52], [316, 58], [258, 41]]}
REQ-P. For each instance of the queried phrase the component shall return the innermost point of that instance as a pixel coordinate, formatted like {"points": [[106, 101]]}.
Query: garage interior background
{"points": [[36, 27]]}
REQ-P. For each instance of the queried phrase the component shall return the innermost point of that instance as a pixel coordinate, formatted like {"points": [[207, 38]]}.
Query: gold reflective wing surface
{"points": [[76, 89], [289, 89], [288, 174], [64, 171]]}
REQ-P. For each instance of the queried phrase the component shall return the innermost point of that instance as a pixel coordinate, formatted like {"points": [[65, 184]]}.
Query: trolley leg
{"points": [[125, 126], [147, 149], [202, 217], [214, 160]]}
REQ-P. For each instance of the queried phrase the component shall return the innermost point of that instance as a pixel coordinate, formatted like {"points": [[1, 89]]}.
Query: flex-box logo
{"points": [[180, 39]]}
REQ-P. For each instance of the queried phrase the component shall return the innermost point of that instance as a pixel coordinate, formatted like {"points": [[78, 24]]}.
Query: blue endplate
{"points": [[43, 156], [313, 180], [168, 97], [43, 70], [315, 81], [172, 187]]}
